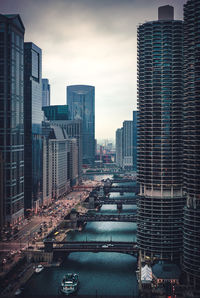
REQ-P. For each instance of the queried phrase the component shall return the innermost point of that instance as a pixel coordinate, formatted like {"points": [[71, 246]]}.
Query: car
{"points": [[104, 246]]}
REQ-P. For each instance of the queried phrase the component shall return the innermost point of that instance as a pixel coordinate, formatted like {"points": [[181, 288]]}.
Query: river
{"points": [[99, 273]]}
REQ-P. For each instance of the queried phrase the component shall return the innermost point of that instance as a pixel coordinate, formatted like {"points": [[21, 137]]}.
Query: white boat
{"points": [[39, 268], [69, 283], [18, 292]]}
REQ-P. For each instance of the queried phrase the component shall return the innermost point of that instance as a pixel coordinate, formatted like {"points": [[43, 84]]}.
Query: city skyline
{"points": [[106, 34]]}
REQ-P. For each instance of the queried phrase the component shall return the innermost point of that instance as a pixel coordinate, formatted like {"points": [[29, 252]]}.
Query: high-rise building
{"points": [[191, 138], [73, 162], [135, 140], [47, 165], [59, 112], [73, 130], [11, 116], [45, 93], [59, 115], [119, 157], [2, 209], [33, 117], [160, 99], [127, 145], [81, 102], [60, 151], [47, 172]]}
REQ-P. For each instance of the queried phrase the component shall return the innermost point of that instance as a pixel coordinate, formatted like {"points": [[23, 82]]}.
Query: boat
{"points": [[18, 292], [69, 283], [39, 268]]}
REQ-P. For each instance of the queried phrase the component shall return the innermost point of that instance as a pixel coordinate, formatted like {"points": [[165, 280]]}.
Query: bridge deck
{"points": [[108, 217], [92, 246], [123, 201]]}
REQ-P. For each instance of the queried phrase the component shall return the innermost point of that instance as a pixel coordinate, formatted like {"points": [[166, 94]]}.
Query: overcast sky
{"points": [[90, 42]]}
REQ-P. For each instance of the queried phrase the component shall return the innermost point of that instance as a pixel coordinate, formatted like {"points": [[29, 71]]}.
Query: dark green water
{"points": [[99, 273]]}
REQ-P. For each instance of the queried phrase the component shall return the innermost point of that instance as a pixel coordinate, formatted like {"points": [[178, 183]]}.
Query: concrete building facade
{"points": [[160, 100]]}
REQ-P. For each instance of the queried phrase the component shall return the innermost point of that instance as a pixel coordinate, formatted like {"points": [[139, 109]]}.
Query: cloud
{"points": [[90, 42]]}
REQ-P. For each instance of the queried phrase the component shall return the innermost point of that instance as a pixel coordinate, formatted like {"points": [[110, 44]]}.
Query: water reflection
{"points": [[99, 273]]}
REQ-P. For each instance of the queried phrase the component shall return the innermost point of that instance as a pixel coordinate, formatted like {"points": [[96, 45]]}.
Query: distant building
{"points": [[47, 173], [45, 93], [60, 162], [135, 140], [73, 162], [81, 102], [58, 112], [73, 130], [127, 145], [33, 117], [11, 118], [55, 163], [118, 140]]}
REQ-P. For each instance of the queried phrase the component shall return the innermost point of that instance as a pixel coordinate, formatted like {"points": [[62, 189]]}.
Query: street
{"points": [[31, 232]]}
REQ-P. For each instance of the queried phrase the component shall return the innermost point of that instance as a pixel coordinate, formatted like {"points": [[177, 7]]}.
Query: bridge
{"points": [[90, 246], [122, 201], [122, 180], [107, 217], [121, 188]]}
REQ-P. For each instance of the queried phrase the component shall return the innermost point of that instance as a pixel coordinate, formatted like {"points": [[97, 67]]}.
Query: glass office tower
{"points": [[191, 249], [160, 95], [32, 125], [11, 118], [119, 142], [59, 112], [45, 93], [81, 102]]}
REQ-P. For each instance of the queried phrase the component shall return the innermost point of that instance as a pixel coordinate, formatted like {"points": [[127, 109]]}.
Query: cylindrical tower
{"points": [[160, 95], [191, 249]]}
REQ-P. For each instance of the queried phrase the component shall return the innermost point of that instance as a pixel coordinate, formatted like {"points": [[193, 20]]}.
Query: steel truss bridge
{"points": [[91, 246], [107, 217], [122, 201], [121, 188]]}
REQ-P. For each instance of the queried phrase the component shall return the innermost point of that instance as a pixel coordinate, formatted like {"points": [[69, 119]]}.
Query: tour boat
{"points": [[69, 283], [39, 268]]}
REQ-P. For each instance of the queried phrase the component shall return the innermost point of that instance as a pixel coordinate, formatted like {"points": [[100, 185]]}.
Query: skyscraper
{"points": [[81, 102], [191, 137], [11, 117], [135, 140], [60, 149], [118, 141], [59, 115], [45, 93], [32, 125], [127, 145], [73, 130], [160, 95]]}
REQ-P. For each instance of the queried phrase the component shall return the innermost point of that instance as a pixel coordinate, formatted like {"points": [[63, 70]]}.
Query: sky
{"points": [[92, 42]]}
